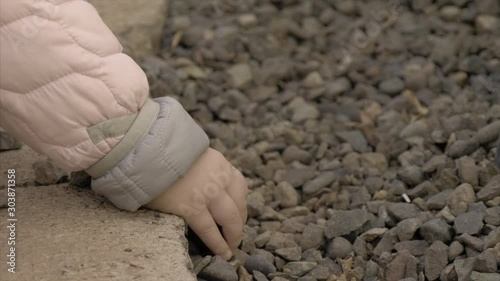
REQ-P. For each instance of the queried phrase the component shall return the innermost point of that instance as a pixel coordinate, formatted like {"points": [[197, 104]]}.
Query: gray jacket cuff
{"points": [[171, 146]]}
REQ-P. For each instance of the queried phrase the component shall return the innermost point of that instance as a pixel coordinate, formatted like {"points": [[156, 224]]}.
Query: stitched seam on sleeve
{"points": [[112, 178], [159, 139], [127, 178]]}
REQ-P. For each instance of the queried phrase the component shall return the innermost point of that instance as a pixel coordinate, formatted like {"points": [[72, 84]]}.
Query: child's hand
{"points": [[212, 193]]}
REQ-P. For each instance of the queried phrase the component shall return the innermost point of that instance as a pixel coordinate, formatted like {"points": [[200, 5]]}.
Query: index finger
{"points": [[206, 228]]}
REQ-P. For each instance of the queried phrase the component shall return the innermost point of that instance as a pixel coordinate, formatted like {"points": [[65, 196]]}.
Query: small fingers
{"points": [[238, 191], [227, 215], [206, 228]]}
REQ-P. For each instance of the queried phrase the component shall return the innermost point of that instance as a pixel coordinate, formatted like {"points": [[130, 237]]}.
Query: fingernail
{"points": [[227, 255]]}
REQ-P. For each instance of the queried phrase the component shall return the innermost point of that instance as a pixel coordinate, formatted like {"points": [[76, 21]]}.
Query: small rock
{"points": [[449, 273], [396, 268], [280, 240], [298, 176], [402, 211], [8, 142], [411, 175], [248, 237], [291, 225], [374, 160], [290, 254], [293, 153], [356, 139], [487, 23], [492, 216], [298, 268], [486, 262], [339, 248], [447, 179], [295, 211], [462, 147], [488, 133], [313, 80], [359, 248], [479, 207], [449, 13], [312, 255], [286, 195], [373, 234], [417, 128], [247, 20], [337, 225], [304, 112], [460, 199], [243, 274], [312, 237], [446, 215], [271, 215], [470, 223], [471, 241], [229, 114], [322, 181], [456, 249], [491, 190], [47, 173], [436, 229], [319, 273], [80, 179], [262, 239], [201, 264], [348, 7], [434, 163], [415, 247], [392, 86], [194, 71], [492, 238], [436, 259], [255, 204], [259, 263], [259, 276], [337, 87], [439, 201], [467, 170], [464, 267], [405, 229], [219, 270], [240, 75], [386, 244]]}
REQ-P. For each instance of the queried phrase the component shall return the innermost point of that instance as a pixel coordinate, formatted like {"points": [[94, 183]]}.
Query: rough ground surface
{"points": [[335, 111], [68, 234]]}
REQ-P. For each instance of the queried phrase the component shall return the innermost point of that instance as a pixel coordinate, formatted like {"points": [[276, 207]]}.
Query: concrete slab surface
{"points": [[65, 233]]}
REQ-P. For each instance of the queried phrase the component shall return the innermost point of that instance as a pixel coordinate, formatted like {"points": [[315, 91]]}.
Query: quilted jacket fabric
{"points": [[68, 91]]}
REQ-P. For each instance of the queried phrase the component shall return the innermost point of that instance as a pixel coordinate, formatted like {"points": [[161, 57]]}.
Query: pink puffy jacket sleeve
{"points": [[68, 91]]}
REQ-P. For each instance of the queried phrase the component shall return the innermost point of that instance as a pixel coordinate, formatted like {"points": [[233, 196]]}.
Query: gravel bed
{"points": [[368, 132]]}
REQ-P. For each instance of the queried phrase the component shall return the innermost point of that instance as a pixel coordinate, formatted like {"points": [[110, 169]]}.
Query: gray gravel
{"points": [[368, 132]]}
